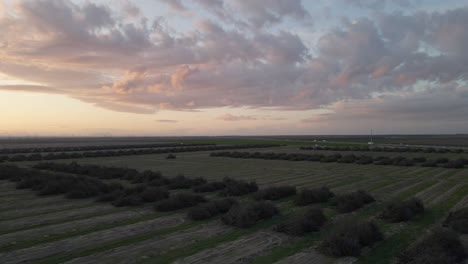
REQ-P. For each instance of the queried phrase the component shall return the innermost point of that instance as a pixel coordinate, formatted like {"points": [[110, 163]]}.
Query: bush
{"points": [[179, 201], [441, 160], [318, 195], [458, 220], [454, 164], [209, 187], [442, 246], [128, 200], [248, 215], [349, 236], [182, 182], [310, 221], [275, 192], [429, 163], [154, 194], [352, 201], [210, 209], [238, 188], [171, 156], [399, 211]]}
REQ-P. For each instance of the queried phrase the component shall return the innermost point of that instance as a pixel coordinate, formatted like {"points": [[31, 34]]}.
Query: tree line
{"points": [[384, 149], [122, 152], [96, 147], [349, 158]]}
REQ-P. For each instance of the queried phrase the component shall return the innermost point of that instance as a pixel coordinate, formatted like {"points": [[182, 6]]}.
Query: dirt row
{"points": [[89, 241], [151, 248], [311, 256], [44, 219], [50, 231], [242, 250]]}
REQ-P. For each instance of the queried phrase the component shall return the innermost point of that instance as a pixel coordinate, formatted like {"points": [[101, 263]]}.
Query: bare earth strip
{"points": [[18, 213], [314, 257], [151, 248], [242, 250], [50, 231], [74, 244], [37, 201], [30, 222]]}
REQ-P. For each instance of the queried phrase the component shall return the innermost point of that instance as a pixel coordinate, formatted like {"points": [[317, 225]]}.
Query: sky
{"points": [[233, 67]]}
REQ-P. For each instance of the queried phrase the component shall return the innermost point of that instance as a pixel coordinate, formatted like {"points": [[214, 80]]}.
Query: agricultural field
{"points": [[76, 228]]}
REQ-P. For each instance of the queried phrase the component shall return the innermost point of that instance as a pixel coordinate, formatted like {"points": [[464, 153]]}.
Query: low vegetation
{"points": [[441, 246], [275, 192], [349, 202], [400, 211], [311, 196], [310, 221], [245, 216], [179, 201], [210, 209], [237, 188], [349, 236], [458, 220]]}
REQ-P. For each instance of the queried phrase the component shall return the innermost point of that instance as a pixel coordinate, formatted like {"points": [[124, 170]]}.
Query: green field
{"points": [[52, 229]]}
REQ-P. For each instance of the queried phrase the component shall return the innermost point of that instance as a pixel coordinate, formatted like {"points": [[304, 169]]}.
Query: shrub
{"points": [[182, 182], [441, 160], [399, 211], [458, 220], [352, 201], [154, 194], [275, 192], [454, 164], [248, 215], [318, 195], [171, 156], [364, 160], [349, 236], [310, 221], [209, 187], [441, 246], [179, 201], [210, 209], [348, 159], [128, 200], [238, 188], [429, 163]]}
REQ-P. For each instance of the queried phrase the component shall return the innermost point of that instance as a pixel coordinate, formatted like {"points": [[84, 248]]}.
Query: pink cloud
{"points": [[229, 117]]}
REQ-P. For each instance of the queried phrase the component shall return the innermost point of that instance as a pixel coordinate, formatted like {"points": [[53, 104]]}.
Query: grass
{"points": [[387, 250], [98, 227], [191, 249], [120, 243], [347, 177]]}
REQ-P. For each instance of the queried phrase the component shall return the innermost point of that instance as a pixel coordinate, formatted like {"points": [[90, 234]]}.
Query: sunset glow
{"points": [[214, 67]]}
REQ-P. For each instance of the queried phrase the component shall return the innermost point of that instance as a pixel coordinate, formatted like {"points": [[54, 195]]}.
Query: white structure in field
{"points": [[371, 142]]}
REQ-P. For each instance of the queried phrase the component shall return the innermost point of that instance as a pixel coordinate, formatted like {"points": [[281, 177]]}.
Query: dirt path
{"points": [[242, 250], [51, 231], [89, 241], [314, 257], [151, 248], [30, 222]]}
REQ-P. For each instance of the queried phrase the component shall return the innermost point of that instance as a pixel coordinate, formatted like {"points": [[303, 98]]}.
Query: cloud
{"points": [[123, 61], [167, 121], [230, 117]]}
